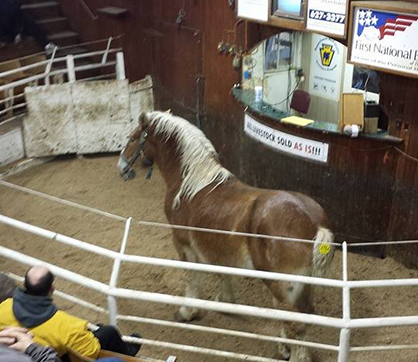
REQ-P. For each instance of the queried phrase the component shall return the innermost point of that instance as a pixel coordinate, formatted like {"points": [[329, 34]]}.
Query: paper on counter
{"points": [[299, 121]]}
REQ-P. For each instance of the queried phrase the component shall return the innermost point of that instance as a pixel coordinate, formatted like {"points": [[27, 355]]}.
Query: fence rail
{"points": [[57, 68], [345, 323]]}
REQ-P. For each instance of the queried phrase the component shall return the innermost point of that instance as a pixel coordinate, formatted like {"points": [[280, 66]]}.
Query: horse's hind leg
{"points": [[297, 353], [283, 350], [226, 293], [193, 283], [299, 297], [293, 297]]}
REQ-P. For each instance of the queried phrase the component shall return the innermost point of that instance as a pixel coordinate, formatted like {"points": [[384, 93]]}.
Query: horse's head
{"points": [[137, 145]]}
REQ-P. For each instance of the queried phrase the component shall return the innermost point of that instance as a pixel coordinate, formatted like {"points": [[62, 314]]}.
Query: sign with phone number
{"points": [[327, 16]]}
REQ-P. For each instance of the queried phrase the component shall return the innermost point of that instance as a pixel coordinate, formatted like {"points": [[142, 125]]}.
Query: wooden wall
{"points": [[176, 56], [368, 188], [399, 101]]}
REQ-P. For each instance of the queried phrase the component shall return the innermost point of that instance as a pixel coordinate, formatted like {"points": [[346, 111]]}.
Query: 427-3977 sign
{"points": [[327, 16]]}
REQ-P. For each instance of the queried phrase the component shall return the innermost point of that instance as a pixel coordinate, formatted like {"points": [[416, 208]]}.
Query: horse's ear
{"points": [[143, 119]]}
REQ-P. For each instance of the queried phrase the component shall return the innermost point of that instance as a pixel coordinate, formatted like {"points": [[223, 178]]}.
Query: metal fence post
{"points": [[105, 54], [120, 66], [111, 301], [344, 347], [70, 69]]}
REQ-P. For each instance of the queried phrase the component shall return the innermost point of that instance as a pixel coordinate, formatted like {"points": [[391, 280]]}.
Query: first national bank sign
{"points": [[385, 40]]}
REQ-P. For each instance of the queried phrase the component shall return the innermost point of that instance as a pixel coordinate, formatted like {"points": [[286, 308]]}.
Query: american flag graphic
{"points": [[387, 23]]}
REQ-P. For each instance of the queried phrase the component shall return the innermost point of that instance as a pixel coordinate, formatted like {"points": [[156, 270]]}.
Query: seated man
{"points": [[33, 308]]}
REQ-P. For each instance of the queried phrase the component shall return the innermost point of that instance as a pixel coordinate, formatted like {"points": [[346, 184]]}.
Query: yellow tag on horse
{"points": [[324, 249]]}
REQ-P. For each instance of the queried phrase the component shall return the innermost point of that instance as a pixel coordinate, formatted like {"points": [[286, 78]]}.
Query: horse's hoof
{"points": [[224, 298], [179, 317], [301, 355], [184, 316], [283, 352]]}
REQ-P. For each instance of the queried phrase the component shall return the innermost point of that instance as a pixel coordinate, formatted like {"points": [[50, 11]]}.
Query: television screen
{"points": [[289, 8]]}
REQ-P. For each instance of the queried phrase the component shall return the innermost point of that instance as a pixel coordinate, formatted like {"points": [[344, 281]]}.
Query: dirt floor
{"points": [[94, 181]]}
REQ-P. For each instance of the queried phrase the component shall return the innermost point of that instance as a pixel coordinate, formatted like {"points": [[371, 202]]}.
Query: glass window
{"points": [[278, 52]]}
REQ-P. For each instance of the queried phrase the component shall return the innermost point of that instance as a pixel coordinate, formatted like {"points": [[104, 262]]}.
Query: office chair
{"points": [[300, 101]]}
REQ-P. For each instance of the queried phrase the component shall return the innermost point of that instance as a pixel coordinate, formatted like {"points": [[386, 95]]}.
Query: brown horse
{"points": [[202, 193]]}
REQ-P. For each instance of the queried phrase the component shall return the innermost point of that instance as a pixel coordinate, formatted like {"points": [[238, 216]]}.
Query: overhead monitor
{"points": [[288, 8]]}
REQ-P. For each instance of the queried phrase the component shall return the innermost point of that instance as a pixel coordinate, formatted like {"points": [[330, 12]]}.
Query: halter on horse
{"points": [[127, 171], [202, 193]]}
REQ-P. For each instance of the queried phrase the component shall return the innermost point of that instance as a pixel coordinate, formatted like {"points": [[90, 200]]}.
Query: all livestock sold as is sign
{"points": [[284, 142]]}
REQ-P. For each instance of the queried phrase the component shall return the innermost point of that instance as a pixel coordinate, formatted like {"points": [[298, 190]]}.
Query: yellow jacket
{"points": [[62, 332]]}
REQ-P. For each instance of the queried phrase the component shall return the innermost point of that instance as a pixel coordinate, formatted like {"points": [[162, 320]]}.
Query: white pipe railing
{"points": [[105, 54], [70, 69], [226, 332], [38, 77], [230, 308], [345, 332], [208, 268], [199, 328], [156, 224], [191, 327], [9, 109], [113, 308], [345, 324], [45, 63]]}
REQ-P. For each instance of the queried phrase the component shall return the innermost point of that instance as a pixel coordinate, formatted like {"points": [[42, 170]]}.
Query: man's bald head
{"points": [[38, 280]]}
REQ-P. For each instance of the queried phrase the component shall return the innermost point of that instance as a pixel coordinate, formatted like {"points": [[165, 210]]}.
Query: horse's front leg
{"points": [[193, 284]]}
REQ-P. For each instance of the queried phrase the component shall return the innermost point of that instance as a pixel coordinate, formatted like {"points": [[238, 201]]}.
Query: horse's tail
{"points": [[323, 252]]}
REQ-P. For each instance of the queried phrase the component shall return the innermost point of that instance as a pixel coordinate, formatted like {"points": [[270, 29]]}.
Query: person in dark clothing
{"points": [[33, 307], [15, 24], [17, 345]]}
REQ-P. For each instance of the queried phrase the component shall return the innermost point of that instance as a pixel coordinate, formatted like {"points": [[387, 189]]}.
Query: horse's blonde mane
{"points": [[199, 160]]}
